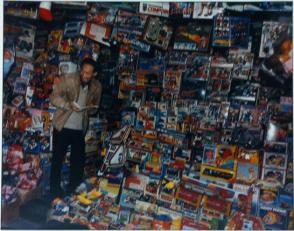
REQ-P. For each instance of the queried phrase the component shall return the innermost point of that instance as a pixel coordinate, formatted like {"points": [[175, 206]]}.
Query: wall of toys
{"points": [[195, 128]]}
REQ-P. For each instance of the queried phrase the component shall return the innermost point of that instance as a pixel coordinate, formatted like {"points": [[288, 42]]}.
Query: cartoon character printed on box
{"points": [[247, 172], [225, 156], [274, 218]]}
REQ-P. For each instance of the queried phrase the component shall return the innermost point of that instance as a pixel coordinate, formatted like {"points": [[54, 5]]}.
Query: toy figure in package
{"points": [[250, 116], [192, 88], [155, 8], [37, 119], [20, 86], [25, 42], [276, 147], [89, 48], [128, 27], [198, 111], [233, 116], [45, 144], [128, 117], [27, 71], [220, 78], [136, 156], [172, 81], [192, 37], [158, 32], [213, 112], [224, 110], [246, 198], [272, 32], [209, 154], [32, 144], [128, 198], [146, 117], [221, 31], [72, 29], [198, 68], [152, 187], [276, 47], [207, 10], [127, 63], [137, 97], [274, 175], [101, 15], [150, 72], [244, 91], [178, 57], [53, 40], [218, 89], [242, 65], [275, 160], [181, 9], [247, 172], [231, 31], [239, 32]]}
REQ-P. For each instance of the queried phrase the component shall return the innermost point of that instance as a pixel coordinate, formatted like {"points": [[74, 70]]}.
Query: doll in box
{"points": [[154, 164]]}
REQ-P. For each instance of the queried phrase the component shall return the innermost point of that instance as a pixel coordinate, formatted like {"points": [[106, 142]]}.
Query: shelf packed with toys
{"points": [[195, 126]]}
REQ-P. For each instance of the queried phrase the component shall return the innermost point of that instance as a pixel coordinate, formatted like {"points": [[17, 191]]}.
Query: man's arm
{"points": [[96, 100]]}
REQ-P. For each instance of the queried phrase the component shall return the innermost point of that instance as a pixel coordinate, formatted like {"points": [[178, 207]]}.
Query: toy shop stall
{"points": [[195, 124]]}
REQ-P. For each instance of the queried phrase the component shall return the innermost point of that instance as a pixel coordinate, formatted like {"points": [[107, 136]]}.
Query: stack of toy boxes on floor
{"points": [[26, 120], [205, 141], [27, 113]]}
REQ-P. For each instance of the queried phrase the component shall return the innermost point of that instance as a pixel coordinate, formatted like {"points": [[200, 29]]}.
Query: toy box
{"points": [[192, 37], [273, 218], [158, 32], [246, 199]]}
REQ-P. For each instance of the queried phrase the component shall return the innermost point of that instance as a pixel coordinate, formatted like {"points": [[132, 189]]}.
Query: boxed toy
{"points": [[158, 32], [192, 37]]}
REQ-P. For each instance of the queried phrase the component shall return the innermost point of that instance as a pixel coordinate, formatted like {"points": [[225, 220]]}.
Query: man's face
{"points": [[87, 73]]}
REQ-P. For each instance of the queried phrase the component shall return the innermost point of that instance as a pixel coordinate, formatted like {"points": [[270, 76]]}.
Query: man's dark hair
{"points": [[90, 62]]}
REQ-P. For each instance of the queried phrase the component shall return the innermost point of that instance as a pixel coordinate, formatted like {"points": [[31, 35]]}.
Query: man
{"points": [[75, 97]]}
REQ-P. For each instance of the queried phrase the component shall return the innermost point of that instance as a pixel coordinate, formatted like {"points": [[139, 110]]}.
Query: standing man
{"points": [[75, 98]]}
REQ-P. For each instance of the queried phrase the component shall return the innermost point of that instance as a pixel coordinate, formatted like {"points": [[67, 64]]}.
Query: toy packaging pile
{"points": [[195, 128]]}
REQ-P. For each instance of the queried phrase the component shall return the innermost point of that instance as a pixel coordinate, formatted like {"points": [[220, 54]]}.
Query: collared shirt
{"points": [[75, 121]]}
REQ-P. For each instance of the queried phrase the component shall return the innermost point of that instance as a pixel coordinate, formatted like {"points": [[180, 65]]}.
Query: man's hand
{"points": [[75, 107]]}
